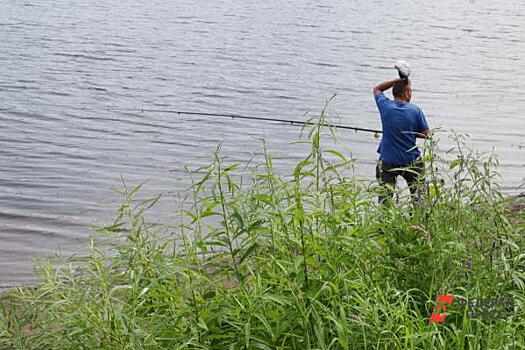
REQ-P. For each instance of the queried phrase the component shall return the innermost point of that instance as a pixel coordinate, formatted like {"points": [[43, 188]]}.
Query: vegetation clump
{"points": [[304, 261]]}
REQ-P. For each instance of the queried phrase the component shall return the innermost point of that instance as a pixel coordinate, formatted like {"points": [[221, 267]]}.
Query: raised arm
{"points": [[385, 86]]}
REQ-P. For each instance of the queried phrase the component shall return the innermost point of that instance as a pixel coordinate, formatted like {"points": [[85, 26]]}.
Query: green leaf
{"points": [[335, 153], [202, 324], [298, 262], [116, 288], [248, 251], [266, 199]]}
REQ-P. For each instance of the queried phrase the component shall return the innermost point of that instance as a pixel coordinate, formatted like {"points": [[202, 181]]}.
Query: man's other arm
{"points": [[423, 126], [423, 134]]}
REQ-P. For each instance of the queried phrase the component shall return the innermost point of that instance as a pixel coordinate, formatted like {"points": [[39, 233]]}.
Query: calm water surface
{"points": [[64, 63]]}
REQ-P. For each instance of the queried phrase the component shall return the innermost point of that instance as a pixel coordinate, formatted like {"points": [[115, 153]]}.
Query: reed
{"points": [[306, 260]]}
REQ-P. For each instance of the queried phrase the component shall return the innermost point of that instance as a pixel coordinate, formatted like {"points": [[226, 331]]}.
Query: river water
{"points": [[64, 63]]}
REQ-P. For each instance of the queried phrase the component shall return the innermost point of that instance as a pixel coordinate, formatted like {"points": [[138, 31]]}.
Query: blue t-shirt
{"points": [[401, 121]]}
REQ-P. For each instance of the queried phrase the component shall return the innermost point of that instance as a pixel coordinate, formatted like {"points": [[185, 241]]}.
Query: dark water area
{"points": [[63, 64]]}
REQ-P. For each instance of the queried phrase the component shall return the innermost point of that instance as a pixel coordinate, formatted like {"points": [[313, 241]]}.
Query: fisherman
{"points": [[402, 122]]}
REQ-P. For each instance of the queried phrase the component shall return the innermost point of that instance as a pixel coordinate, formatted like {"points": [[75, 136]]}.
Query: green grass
{"points": [[307, 260]]}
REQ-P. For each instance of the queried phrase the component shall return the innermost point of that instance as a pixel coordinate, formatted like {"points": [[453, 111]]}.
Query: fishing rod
{"points": [[234, 116], [237, 116]]}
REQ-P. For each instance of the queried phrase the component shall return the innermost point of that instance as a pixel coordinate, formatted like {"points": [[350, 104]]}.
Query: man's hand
{"points": [[385, 86], [423, 134]]}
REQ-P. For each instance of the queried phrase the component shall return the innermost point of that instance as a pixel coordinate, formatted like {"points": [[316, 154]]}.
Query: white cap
{"points": [[403, 68]]}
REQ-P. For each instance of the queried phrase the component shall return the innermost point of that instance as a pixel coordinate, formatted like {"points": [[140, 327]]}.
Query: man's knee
{"points": [[384, 173]]}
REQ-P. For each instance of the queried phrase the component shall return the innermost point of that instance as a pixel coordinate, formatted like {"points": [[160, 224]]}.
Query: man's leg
{"points": [[414, 176], [387, 179]]}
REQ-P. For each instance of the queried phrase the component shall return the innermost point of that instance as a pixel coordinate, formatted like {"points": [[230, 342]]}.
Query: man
{"points": [[402, 122]]}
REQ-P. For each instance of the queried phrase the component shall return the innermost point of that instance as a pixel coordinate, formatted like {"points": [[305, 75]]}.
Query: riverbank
{"points": [[304, 261]]}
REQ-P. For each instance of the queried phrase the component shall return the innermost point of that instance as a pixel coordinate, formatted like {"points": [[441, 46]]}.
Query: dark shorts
{"points": [[387, 174]]}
